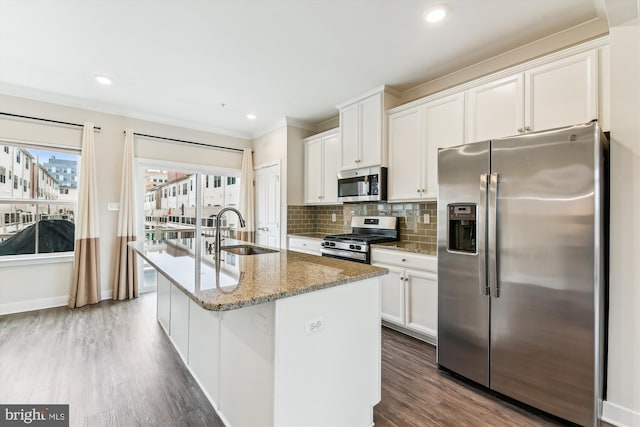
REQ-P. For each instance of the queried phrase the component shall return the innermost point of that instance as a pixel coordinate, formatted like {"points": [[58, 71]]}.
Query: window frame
{"points": [[37, 202]]}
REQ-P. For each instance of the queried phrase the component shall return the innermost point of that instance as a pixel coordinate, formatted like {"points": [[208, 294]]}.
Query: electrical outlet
{"points": [[333, 217], [314, 325], [427, 219], [261, 322]]}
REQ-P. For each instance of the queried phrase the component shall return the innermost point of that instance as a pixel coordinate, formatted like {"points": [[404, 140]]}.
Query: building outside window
{"points": [[34, 217]]}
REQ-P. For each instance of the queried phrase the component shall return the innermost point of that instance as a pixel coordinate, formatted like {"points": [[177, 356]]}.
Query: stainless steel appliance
{"points": [[362, 185], [521, 273], [365, 230]]}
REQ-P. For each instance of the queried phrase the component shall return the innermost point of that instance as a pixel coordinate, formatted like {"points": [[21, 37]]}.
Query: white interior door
{"points": [[268, 206]]}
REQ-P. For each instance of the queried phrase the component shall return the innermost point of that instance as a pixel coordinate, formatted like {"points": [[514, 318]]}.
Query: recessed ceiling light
{"points": [[103, 80], [435, 14], [251, 116]]}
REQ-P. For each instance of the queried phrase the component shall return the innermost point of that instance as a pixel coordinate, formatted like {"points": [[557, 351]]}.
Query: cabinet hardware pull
{"points": [[527, 128], [404, 259], [520, 130]]}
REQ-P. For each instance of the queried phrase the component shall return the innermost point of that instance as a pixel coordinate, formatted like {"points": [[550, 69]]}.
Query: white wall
{"points": [[623, 400], [50, 280]]}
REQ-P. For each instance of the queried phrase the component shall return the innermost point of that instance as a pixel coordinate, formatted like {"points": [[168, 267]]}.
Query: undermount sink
{"points": [[247, 250]]}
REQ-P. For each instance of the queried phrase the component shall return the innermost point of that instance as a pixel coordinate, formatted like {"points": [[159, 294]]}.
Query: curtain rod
{"points": [[95, 128], [182, 141]]}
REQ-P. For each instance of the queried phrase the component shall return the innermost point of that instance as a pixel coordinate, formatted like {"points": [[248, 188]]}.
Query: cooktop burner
{"points": [[356, 237]]}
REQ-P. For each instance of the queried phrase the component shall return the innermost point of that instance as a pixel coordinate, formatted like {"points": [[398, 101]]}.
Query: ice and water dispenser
{"points": [[462, 228]]}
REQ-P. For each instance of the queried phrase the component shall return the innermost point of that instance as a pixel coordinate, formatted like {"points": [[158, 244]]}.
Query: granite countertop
{"points": [[318, 236], [419, 248], [247, 280]]}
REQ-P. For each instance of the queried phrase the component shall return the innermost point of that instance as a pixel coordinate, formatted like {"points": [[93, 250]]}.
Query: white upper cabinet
{"points": [[562, 93], [321, 163], [313, 170], [559, 93], [443, 127], [415, 135], [405, 154], [495, 109], [350, 136], [363, 131]]}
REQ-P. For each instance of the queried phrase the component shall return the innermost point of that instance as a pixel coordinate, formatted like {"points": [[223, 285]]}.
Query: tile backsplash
{"points": [[318, 219]]}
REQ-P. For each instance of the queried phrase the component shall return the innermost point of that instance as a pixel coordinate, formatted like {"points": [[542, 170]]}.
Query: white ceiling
{"points": [[176, 62]]}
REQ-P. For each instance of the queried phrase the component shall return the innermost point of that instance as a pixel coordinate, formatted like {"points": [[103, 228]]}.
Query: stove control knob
{"points": [[352, 247], [358, 247], [332, 244]]}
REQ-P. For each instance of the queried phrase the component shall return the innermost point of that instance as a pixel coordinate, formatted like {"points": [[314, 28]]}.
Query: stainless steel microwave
{"points": [[362, 185]]}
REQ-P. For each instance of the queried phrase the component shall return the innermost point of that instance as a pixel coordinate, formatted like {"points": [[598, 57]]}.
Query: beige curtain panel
{"points": [[247, 202], [125, 283], [85, 287]]}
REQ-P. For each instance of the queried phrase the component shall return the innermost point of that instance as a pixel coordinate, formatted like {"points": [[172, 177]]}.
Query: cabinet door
{"points": [[180, 321], [405, 154], [164, 302], [443, 127], [495, 109], [313, 171], [422, 302], [349, 133], [562, 93], [392, 296], [331, 165], [370, 139]]}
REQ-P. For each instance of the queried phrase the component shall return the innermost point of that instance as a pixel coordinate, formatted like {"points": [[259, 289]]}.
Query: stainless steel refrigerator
{"points": [[521, 273]]}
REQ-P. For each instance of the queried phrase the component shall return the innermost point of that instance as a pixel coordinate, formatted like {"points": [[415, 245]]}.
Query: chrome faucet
{"points": [[218, 221]]}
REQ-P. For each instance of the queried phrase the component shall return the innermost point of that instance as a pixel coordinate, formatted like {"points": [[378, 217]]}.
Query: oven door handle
{"points": [[344, 254]]}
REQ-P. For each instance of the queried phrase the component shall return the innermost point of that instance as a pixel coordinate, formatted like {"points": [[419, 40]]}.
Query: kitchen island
{"points": [[274, 339]]}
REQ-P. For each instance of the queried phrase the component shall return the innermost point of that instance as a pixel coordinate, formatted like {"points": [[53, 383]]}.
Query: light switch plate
{"points": [[113, 206], [427, 219]]}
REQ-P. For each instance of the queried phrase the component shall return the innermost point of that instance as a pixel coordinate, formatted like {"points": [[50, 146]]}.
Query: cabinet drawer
{"points": [[308, 246], [404, 259]]}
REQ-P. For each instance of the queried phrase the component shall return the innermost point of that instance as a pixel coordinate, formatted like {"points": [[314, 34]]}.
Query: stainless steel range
{"points": [[365, 230]]}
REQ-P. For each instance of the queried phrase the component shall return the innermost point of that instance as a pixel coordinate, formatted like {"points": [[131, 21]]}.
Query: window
{"points": [[36, 216], [6, 149], [174, 217], [231, 180]]}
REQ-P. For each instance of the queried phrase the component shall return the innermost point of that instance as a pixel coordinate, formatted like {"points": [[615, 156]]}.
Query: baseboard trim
{"points": [[619, 415], [106, 294], [33, 304]]}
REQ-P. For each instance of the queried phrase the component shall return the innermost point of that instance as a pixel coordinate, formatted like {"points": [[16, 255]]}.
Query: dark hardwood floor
{"points": [[110, 362], [416, 393], [115, 367]]}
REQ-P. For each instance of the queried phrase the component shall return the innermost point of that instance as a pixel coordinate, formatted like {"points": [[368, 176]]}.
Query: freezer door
{"points": [[542, 307], [463, 306]]}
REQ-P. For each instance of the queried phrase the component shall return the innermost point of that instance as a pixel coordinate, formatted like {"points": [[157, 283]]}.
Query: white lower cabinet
{"points": [[306, 245], [179, 331], [164, 302], [409, 293]]}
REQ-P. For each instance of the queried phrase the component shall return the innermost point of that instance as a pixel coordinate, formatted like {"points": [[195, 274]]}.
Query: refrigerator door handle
{"points": [[481, 237], [492, 235]]}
